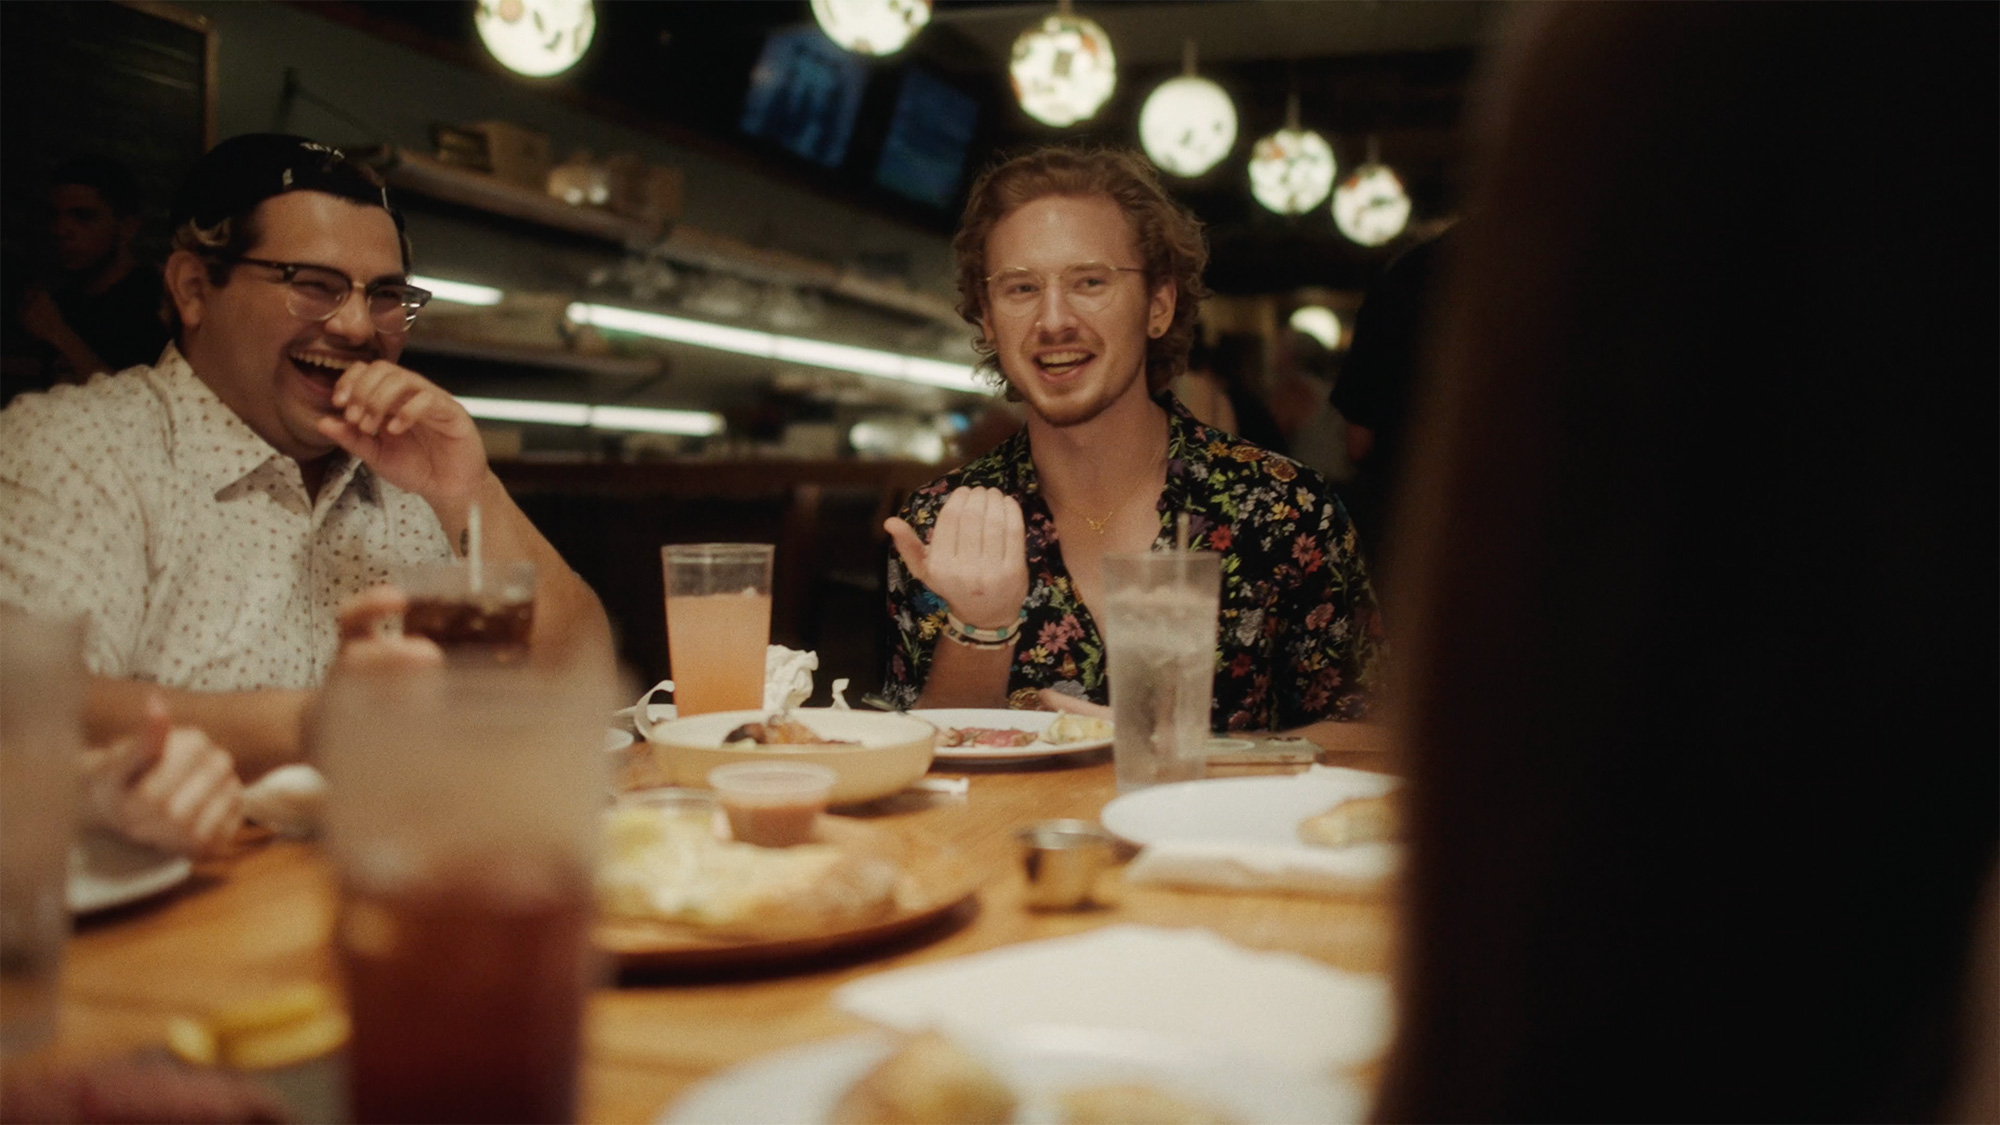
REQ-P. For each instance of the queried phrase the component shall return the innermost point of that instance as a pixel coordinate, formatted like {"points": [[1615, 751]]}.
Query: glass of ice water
{"points": [[1159, 618]]}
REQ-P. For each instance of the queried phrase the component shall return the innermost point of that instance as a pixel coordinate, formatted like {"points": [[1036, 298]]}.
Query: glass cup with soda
{"points": [[463, 822], [486, 616], [1159, 617]]}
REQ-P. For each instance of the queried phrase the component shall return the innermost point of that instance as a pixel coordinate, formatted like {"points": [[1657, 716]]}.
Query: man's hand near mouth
{"points": [[412, 433], [417, 437]]}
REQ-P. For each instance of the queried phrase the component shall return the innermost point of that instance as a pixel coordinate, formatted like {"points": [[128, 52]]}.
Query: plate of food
{"points": [[105, 871], [675, 892], [1020, 1074], [1326, 806], [995, 735]]}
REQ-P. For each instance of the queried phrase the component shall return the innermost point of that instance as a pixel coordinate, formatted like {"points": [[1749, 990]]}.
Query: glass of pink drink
{"points": [[462, 819], [718, 624]]}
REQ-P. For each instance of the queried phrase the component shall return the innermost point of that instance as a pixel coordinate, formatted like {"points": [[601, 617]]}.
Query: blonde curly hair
{"points": [[1168, 234]]}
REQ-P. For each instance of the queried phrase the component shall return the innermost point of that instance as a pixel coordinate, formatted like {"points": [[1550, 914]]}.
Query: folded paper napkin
{"points": [[1240, 866], [1289, 1010], [289, 800]]}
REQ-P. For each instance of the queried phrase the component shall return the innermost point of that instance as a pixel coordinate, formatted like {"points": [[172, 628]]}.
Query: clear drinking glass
{"points": [[1159, 621], [463, 821], [718, 624], [41, 737], [491, 621]]}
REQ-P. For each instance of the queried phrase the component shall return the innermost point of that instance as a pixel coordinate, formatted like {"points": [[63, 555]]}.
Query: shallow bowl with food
{"points": [[873, 753]]}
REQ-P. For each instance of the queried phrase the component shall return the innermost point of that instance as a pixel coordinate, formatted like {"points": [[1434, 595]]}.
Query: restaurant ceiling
{"points": [[1395, 71]]}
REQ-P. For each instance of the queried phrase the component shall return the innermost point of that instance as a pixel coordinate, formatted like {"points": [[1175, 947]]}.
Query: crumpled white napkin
{"points": [[788, 683], [290, 800], [1239, 866], [788, 677], [1282, 1007]]}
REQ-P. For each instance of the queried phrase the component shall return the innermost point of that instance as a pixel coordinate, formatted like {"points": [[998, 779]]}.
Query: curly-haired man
{"points": [[1084, 280]]}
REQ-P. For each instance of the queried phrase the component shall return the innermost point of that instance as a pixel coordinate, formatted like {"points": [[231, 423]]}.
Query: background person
{"points": [[103, 311]]}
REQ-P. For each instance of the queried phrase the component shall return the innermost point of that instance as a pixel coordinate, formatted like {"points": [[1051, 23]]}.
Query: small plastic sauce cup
{"points": [[772, 804]]}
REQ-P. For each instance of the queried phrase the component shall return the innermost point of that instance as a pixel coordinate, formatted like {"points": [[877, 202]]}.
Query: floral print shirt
{"points": [[1299, 632]]}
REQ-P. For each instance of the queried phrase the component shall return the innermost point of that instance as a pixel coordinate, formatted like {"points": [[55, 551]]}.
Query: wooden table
{"points": [[262, 920]]}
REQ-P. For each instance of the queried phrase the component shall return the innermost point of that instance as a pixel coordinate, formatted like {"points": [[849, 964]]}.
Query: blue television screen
{"points": [[804, 94], [923, 155]]}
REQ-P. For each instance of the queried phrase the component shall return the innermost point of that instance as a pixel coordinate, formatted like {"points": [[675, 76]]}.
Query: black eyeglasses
{"points": [[315, 293]]}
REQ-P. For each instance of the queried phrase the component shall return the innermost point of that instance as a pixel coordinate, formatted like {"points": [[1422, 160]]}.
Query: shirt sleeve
{"points": [[1329, 653], [916, 615], [72, 536]]}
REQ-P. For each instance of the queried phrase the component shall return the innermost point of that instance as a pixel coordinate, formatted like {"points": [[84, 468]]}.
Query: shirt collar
{"points": [[1187, 441], [219, 444]]}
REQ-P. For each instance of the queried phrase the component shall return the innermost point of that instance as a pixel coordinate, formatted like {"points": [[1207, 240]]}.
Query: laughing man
{"points": [[211, 513]]}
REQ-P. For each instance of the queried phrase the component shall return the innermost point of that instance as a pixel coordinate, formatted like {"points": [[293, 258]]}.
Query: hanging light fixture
{"points": [[1319, 322], [1371, 206], [1063, 69], [872, 27], [536, 38], [1292, 169], [1188, 124]]}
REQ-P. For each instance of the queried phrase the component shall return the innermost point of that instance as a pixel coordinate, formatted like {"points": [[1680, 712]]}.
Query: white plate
{"points": [[105, 871], [1263, 810], [1000, 719], [803, 1084]]}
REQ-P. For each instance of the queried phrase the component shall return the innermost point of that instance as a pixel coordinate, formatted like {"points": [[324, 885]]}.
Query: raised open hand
{"points": [[977, 558]]}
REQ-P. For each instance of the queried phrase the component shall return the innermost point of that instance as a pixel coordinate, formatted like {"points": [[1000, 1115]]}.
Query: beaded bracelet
{"points": [[972, 636]]}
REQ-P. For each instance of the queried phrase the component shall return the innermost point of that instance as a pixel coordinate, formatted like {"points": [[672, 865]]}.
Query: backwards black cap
{"points": [[241, 172]]}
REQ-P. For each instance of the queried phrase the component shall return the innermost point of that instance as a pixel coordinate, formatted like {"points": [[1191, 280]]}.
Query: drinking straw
{"points": [[1181, 533], [472, 536]]}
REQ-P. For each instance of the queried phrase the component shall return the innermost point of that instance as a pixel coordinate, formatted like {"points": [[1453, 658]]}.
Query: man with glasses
{"points": [[213, 513], [1084, 280]]}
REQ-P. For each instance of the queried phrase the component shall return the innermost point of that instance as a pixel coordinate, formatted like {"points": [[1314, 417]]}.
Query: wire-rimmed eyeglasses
{"points": [[315, 293], [1088, 286]]}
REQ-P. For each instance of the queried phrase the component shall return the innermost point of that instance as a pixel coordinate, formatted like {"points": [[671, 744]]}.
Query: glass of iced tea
{"points": [[489, 620], [462, 820], [718, 624]]}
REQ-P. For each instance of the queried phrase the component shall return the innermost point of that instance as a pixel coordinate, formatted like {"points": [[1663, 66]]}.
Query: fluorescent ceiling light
{"points": [[695, 423], [459, 292], [790, 349]]}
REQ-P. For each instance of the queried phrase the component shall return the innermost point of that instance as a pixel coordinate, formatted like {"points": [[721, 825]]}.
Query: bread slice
{"points": [[930, 1081], [1357, 820]]}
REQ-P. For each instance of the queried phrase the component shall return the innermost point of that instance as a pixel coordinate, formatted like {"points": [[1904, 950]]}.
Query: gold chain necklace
{"points": [[1097, 526]]}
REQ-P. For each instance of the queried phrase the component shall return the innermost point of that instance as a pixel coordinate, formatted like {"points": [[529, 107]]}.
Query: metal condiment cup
{"points": [[1062, 859]]}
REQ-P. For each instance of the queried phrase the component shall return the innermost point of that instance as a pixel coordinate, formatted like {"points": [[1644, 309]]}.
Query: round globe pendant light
{"points": [[1319, 322], [872, 27], [1291, 170], [536, 38], [1063, 69], [1188, 124], [1370, 206]]}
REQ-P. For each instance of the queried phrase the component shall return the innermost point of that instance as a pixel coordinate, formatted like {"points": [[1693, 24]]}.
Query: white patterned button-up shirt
{"points": [[143, 502]]}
